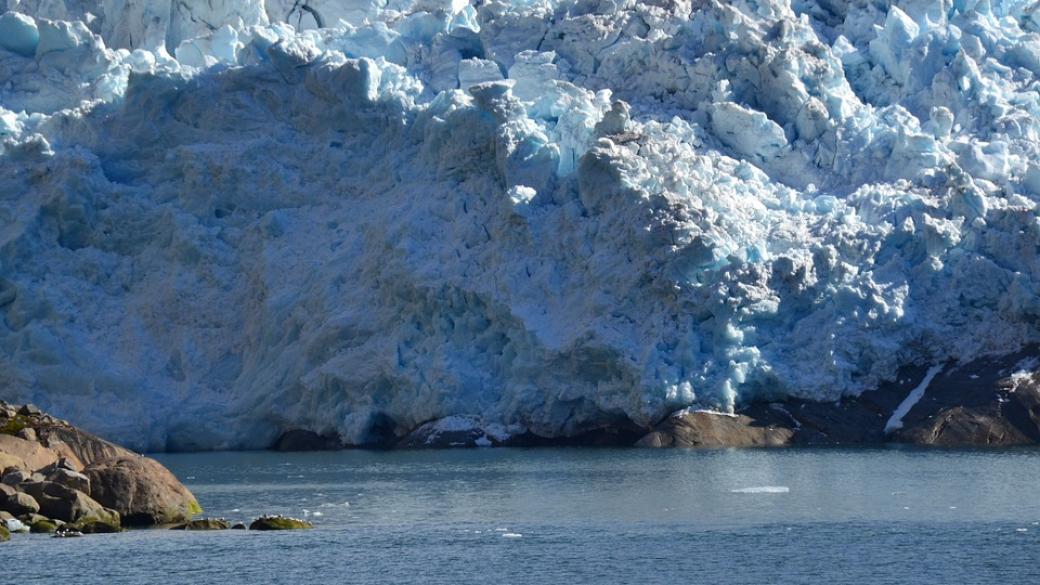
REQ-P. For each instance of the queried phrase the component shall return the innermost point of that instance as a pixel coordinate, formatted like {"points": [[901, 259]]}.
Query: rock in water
{"points": [[102, 521], [204, 524], [5, 535], [143, 491], [43, 527], [279, 523]]}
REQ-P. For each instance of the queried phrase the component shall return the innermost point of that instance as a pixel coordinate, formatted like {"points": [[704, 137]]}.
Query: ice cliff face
{"points": [[220, 220]]}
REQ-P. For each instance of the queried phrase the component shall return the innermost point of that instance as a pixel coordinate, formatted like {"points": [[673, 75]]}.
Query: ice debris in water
{"points": [[765, 489], [237, 218]]}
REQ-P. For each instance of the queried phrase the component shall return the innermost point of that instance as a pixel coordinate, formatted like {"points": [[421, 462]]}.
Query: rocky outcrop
{"points": [[987, 402], [20, 453], [54, 473], [708, 429], [143, 491], [279, 523], [204, 524]]}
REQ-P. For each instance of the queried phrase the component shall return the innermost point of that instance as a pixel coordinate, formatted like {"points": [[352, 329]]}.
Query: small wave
{"points": [[763, 489], [512, 535]]}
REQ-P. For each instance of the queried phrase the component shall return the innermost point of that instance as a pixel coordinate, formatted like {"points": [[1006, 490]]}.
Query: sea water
{"points": [[577, 516]]}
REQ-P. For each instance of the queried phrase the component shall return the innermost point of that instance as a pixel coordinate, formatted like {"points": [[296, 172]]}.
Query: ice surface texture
{"points": [[219, 221]]}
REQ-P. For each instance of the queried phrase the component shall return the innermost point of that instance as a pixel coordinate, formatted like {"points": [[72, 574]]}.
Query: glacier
{"points": [[223, 220]]}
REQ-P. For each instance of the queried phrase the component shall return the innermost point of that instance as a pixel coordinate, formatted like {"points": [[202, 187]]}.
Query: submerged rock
{"points": [[143, 491], [279, 523]]}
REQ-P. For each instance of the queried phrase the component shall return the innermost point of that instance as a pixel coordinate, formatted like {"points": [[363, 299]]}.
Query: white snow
{"points": [[895, 421], [541, 214]]}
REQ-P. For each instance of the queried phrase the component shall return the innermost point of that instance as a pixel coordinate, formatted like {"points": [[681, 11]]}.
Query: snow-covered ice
{"points": [[235, 218]]}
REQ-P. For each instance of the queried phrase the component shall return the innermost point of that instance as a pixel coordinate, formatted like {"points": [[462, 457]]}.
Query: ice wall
{"points": [[219, 220]]}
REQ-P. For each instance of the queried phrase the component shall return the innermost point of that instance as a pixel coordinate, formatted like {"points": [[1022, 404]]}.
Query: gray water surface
{"points": [[582, 516]]}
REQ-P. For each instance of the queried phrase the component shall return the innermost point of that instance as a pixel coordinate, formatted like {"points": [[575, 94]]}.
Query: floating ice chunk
{"points": [[16, 525], [18, 33], [765, 489]]}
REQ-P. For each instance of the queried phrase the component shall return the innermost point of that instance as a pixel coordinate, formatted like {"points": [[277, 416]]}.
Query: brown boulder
{"points": [[61, 502], [71, 479], [705, 429], [143, 491], [19, 503], [80, 446], [29, 455]]}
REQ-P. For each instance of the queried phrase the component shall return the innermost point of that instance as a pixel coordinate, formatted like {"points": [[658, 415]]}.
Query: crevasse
{"points": [[552, 215]]}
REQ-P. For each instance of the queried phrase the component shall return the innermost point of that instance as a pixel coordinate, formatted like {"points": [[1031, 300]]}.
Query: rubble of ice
{"points": [[220, 220]]}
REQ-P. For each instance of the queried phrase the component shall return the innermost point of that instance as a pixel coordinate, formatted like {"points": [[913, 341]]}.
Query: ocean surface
{"points": [[577, 516]]}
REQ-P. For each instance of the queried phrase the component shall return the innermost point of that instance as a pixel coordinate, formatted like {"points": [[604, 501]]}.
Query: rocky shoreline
{"points": [[58, 479]]}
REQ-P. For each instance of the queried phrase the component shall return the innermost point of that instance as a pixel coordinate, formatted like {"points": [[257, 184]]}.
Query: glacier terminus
{"points": [[359, 217]]}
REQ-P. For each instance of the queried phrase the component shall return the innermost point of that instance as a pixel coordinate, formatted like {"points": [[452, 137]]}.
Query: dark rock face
{"points": [[143, 491], [987, 402], [279, 523], [301, 440], [993, 401], [204, 524]]}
